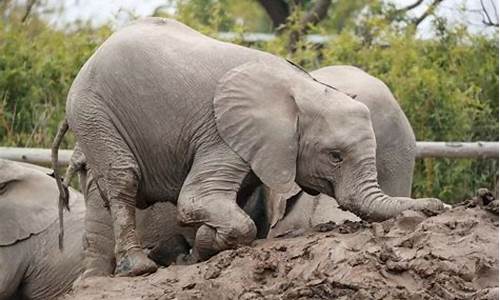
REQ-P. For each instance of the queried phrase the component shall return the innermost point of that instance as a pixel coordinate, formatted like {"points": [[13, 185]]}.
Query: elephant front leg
{"points": [[122, 191], [208, 197], [225, 226]]}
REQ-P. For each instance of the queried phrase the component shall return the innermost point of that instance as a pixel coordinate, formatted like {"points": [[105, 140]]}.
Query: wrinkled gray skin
{"points": [[31, 264], [166, 241], [157, 227], [164, 113], [395, 153]]}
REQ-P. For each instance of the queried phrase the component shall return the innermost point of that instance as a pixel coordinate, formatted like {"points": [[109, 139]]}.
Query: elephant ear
{"points": [[256, 116], [20, 219], [25, 212]]}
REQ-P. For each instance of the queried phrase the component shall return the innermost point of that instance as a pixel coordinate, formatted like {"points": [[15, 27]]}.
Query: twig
{"points": [[486, 16], [29, 7], [312, 17], [411, 6], [427, 12]]}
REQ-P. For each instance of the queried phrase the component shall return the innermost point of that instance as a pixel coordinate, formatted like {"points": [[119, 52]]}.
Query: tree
{"points": [[280, 11]]}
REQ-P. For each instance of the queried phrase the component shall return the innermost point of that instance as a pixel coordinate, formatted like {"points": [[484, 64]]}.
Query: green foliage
{"points": [[37, 66], [447, 85]]}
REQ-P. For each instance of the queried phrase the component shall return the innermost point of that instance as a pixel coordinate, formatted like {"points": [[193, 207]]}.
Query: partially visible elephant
{"points": [[164, 113], [31, 264], [395, 151], [396, 144]]}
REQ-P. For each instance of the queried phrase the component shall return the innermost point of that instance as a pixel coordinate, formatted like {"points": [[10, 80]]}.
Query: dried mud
{"points": [[417, 255]]}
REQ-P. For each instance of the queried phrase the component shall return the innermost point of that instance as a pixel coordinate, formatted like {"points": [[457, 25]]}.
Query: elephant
{"points": [[396, 147], [31, 265], [165, 113], [395, 150]]}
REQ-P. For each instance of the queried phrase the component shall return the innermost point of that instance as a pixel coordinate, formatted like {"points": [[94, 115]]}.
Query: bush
{"points": [[37, 66]]}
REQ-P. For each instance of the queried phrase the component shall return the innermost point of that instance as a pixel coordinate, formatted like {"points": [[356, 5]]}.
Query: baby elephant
{"points": [[165, 113], [31, 265]]}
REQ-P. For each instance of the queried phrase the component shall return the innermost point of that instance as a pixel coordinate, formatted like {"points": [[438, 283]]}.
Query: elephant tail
{"points": [[63, 190], [77, 163]]}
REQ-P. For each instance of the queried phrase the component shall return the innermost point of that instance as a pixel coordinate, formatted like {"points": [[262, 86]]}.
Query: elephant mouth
{"points": [[332, 190], [310, 191]]}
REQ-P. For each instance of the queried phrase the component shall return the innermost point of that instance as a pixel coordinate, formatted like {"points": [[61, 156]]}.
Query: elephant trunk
{"points": [[360, 193]]}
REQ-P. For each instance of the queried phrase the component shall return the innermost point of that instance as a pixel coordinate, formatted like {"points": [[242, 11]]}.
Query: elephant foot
{"points": [[170, 250], [135, 263], [205, 245]]}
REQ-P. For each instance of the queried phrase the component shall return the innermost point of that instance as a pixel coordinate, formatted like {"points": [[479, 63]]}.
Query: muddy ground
{"points": [[418, 255]]}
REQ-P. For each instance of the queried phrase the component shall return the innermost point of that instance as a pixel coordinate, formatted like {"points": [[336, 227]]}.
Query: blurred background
{"points": [[439, 57]]}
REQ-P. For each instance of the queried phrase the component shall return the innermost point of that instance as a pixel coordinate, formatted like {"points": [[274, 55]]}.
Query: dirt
{"points": [[417, 255]]}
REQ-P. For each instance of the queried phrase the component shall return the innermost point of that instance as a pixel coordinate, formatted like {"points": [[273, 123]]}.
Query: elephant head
{"points": [[292, 129]]}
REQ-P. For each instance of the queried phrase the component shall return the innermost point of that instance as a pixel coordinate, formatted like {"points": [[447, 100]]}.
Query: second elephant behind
{"points": [[395, 151]]}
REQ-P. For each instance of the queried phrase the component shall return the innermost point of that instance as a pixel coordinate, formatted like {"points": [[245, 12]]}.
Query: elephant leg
{"points": [[162, 238], [122, 185], [168, 251], [98, 240], [117, 174], [208, 197], [395, 165]]}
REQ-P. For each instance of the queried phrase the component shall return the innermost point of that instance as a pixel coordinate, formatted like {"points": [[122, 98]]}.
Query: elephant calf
{"points": [[31, 265], [165, 113]]}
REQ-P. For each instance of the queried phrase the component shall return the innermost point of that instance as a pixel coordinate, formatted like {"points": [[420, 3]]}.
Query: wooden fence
{"points": [[476, 150]]}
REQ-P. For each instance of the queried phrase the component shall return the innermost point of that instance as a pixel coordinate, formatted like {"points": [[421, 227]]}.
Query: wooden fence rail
{"points": [[476, 150]]}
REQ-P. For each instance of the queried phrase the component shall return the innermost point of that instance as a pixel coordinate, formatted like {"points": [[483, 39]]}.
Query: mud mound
{"points": [[453, 255]]}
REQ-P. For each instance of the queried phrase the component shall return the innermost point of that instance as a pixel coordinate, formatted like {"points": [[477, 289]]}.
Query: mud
{"points": [[452, 255]]}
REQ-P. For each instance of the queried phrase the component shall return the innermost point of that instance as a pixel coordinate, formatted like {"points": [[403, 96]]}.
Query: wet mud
{"points": [[417, 255]]}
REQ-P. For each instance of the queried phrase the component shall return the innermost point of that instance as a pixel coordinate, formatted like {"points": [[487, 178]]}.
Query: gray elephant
{"points": [[395, 151], [31, 265], [164, 113]]}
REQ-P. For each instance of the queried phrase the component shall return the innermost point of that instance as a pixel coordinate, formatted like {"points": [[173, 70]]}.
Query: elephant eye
{"points": [[335, 156], [3, 187]]}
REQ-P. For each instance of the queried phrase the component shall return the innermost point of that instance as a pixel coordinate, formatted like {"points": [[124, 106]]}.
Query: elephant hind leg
{"points": [[170, 250], [98, 239], [117, 174]]}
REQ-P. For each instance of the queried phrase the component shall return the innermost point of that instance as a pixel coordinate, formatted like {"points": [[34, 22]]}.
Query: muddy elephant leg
{"points": [[98, 240], [117, 173], [122, 184], [208, 197]]}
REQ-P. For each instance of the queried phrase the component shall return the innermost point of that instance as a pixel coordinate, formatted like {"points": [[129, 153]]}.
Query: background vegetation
{"points": [[447, 84]]}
